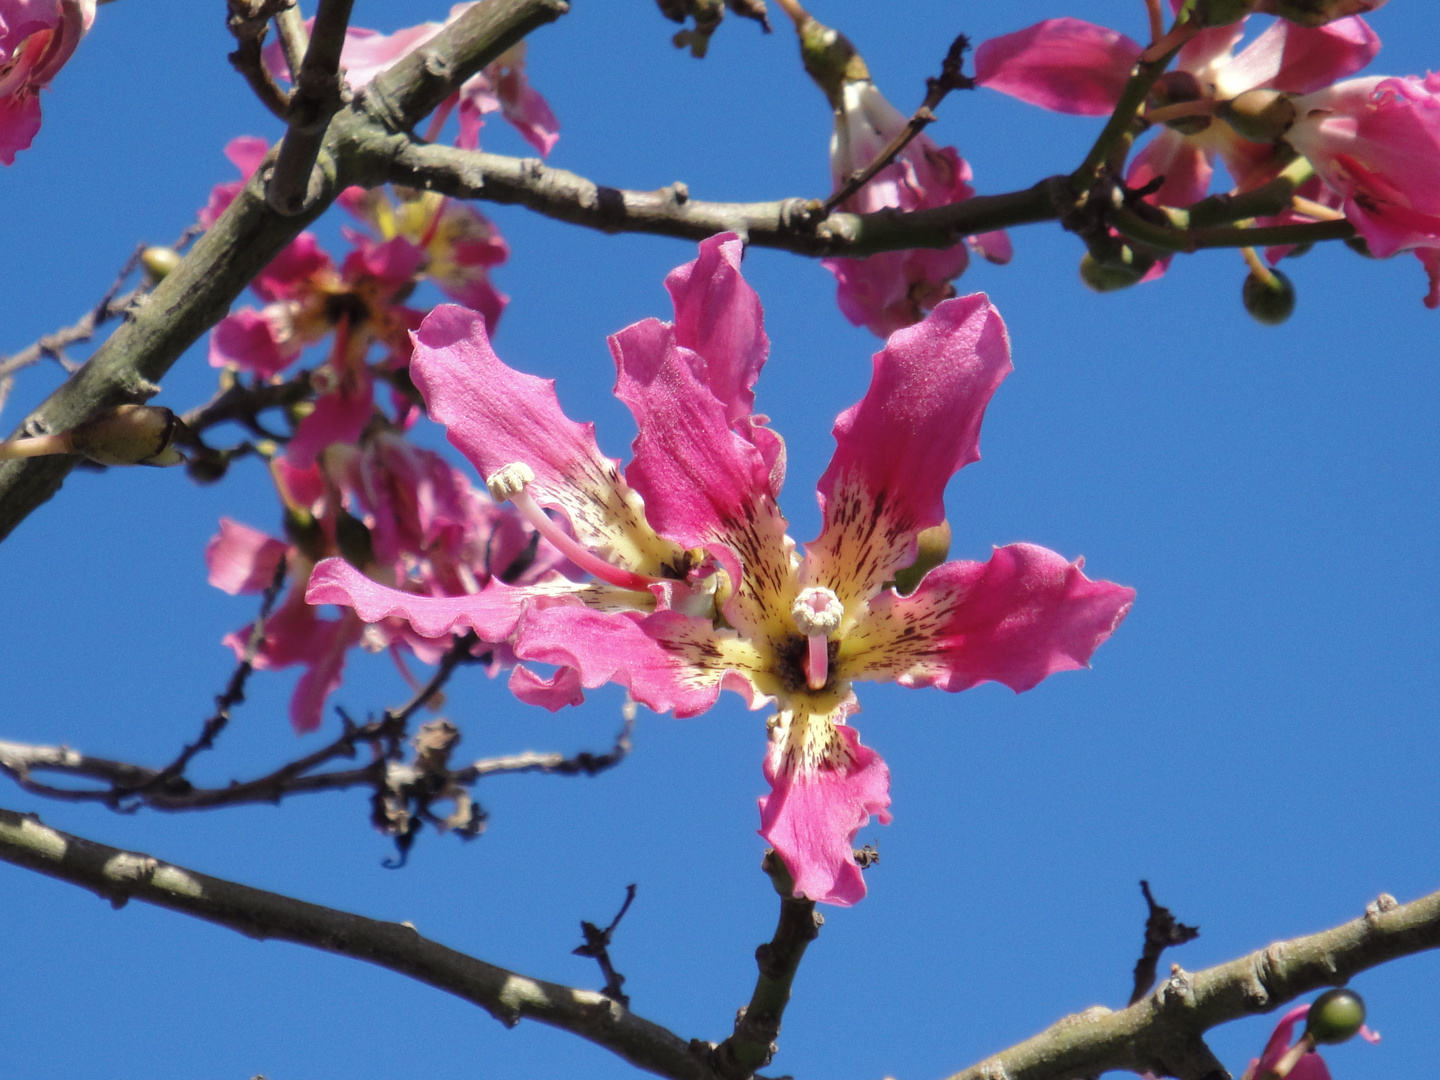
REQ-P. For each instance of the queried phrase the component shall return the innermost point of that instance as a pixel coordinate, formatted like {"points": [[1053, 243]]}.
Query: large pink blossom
{"points": [[893, 289], [501, 87], [1376, 143], [1071, 66], [37, 37], [697, 586]]}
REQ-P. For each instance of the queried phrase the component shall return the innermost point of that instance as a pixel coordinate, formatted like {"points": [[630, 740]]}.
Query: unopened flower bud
{"points": [[1317, 12], [129, 435], [934, 549], [1335, 1016], [830, 59], [159, 261], [1270, 302], [1261, 116]]}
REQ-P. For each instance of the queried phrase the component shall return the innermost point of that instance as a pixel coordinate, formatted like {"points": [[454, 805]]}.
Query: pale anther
{"points": [[817, 612], [508, 481]]}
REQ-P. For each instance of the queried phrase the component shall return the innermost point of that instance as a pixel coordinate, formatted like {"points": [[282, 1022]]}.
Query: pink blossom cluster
{"points": [[696, 585], [1374, 143], [350, 482], [37, 37]]}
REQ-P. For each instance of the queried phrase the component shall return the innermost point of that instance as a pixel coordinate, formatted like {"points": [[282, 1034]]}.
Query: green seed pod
{"points": [[1335, 1016], [1260, 116], [1270, 302], [1108, 277]]}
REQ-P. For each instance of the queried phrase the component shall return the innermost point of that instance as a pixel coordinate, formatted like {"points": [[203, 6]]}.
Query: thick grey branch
{"points": [[120, 876], [796, 225], [1163, 1032]]}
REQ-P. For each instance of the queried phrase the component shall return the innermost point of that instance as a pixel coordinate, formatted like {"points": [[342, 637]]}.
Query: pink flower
{"points": [[1067, 65], [502, 86], [457, 245], [37, 37], [698, 588], [1376, 143], [1311, 1066], [895, 288]]}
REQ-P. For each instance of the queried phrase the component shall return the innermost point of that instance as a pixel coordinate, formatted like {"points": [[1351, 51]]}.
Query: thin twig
{"points": [[1162, 931], [597, 946], [234, 692], [318, 95], [510, 997], [294, 38], [248, 21], [951, 78], [752, 1044]]}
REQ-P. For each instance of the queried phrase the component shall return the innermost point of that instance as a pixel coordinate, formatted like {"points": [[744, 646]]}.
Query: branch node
{"points": [[1379, 906]]}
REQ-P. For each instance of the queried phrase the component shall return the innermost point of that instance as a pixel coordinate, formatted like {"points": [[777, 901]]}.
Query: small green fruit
{"points": [[1269, 302], [1335, 1016]]}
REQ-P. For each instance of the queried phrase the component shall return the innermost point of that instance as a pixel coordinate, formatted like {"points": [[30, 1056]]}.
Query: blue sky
{"points": [[1258, 740]]}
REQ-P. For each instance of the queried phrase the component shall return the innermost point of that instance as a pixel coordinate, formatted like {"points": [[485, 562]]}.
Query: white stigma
{"points": [[507, 482], [817, 612]]}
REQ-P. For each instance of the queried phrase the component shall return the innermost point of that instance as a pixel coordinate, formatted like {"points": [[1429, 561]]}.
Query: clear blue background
{"points": [[1258, 740]]}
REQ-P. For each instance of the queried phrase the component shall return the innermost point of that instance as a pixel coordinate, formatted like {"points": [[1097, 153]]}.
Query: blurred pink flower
{"points": [[501, 86], [1376, 143], [894, 289], [698, 588], [37, 37], [1071, 66]]}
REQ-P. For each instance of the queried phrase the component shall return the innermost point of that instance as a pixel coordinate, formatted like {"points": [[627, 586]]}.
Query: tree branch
{"points": [[120, 876], [318, 95], [1162, 1033], [757, 1026], [795, 225]]}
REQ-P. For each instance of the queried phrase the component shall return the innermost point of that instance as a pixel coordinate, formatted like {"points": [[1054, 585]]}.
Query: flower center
{"points": [[510, 482], [817, 614]]}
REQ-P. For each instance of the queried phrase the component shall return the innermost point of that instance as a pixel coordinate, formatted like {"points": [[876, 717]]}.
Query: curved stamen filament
{"points": [[510, 483]]}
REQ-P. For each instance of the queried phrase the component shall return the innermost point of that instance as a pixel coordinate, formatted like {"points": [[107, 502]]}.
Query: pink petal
{"points": [[19, 124], [1024, 615], [559, 690], [246, 152], [242, 559], [898, 447], [293, 271], [526, 110], [1065, 65], [823, 791], [324, 672], [993, 247], [1430, 259], [1181, 161], [338, 417], [496, 416], [247, 340], [1300, 59], [1207, 54], [699, 479], [718, 317], [667, 660], [894, 289], [492, 612]]}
